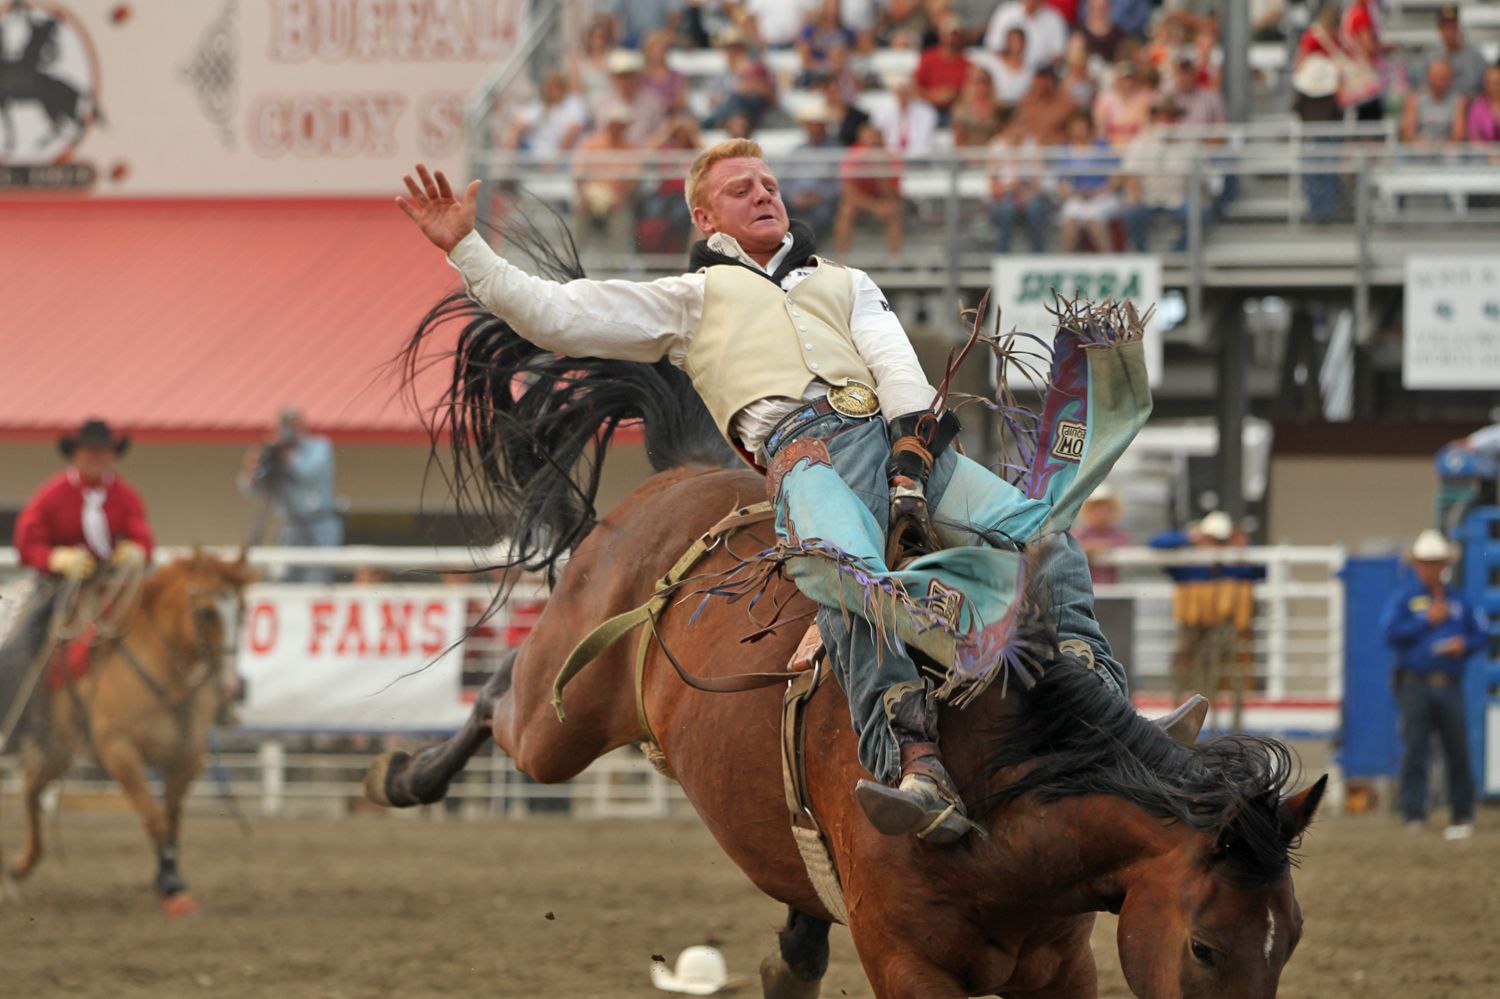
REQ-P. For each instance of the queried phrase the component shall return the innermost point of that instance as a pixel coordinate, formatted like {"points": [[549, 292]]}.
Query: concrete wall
{"points": [[1365, 503]]}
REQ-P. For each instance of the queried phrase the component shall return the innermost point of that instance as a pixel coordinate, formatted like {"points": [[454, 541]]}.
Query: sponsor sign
{"points": [[1452, 319], [1023, 286], [365, 658], [240, 97]]}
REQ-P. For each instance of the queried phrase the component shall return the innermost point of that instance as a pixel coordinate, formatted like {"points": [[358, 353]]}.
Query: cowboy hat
{"points": [[1216, 525], [700, 971], [1431, 546], [93, 433], [1316, 76]]}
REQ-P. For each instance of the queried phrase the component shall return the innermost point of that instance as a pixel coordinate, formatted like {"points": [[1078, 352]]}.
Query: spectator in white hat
{"points": [[1432, 630]]}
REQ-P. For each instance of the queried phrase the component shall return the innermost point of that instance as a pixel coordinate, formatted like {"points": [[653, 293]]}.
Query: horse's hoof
{"points": [[379, 774], [777, 981], [10, 888], [180, 906]]}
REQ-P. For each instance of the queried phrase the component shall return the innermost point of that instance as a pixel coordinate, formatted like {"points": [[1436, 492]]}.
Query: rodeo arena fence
{"points": [[335, 673]]}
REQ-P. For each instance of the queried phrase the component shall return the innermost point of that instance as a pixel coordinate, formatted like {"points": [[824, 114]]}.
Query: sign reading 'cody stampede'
{"points": [[239, 97], [1023, 286]]}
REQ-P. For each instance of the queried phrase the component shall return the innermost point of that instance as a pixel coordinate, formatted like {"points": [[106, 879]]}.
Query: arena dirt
{"points": [[410, 907]]}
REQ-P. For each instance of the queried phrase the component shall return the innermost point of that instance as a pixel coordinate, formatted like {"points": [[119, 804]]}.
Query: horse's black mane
{"points": [[1078, 737], [527, 430]]}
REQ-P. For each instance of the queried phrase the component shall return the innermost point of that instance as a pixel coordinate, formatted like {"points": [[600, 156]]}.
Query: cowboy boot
{"points": [[924, 800]]}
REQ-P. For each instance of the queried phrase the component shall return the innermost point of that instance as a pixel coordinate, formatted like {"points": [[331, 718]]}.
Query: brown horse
{"points": [[1087, 806], [148, 700]]}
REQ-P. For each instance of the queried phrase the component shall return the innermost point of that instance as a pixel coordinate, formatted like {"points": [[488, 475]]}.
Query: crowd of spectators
{"points": [[1076, 105]]}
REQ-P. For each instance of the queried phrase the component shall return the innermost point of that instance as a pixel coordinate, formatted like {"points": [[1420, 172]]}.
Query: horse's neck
{"points": [[1076, 851], [1074, 855], [150, 641]]}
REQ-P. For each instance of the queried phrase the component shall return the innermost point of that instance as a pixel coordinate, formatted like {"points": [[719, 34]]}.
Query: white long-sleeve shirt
{"points": [[648, 320]]}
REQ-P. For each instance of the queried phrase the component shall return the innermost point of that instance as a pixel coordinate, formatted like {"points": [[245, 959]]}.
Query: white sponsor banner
{"points": [[1022, 289], [1452, 334], [241, 97], [359, 657]]}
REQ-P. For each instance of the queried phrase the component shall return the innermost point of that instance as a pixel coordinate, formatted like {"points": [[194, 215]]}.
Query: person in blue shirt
{"points": [[294, 472], [1433, 631]]}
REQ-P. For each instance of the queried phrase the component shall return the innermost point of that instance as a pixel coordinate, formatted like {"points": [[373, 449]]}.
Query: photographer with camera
{"points": [[293, 470]]}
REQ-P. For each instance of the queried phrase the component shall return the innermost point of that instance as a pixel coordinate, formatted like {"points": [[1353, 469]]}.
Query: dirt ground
{"points": [[406, 906]]}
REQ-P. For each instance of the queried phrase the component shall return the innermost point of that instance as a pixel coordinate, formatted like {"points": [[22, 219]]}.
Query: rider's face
{"points": [[94, 463], [744, 201]]}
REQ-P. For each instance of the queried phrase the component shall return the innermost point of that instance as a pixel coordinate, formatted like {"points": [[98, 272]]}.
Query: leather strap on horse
{"points": [[806, 832], [615, 628]]}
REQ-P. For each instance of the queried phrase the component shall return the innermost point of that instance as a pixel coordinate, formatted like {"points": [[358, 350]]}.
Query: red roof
{"points": [[194, 319]]}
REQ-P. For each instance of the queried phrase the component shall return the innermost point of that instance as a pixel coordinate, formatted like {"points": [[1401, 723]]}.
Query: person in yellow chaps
{"points": [[808, 372]]}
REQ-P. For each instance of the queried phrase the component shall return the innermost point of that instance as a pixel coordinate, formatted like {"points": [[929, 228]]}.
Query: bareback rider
{"points": [[83, 517], [804, 367]]}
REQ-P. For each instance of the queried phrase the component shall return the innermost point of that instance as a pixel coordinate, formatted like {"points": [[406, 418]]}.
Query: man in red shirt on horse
{"points": [[82, 517]]}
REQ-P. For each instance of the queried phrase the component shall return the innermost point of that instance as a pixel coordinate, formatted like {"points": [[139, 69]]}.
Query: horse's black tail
{"points": [[525, 431]]}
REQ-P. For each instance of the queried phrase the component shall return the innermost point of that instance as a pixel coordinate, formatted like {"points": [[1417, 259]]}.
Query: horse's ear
{"points": [[1301, 806], [243, 559], [1184, 724]]}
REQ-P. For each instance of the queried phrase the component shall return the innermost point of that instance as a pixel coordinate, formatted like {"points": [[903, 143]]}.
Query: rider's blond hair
{"points": [[729, 149]]}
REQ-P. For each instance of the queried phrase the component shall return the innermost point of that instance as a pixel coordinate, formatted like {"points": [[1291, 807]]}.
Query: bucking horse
{"points": [[1083, 806]]}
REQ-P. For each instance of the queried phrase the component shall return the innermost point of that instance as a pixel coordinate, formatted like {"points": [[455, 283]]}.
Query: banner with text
{"points": [[1022, 287], [363, 658], [1452, 318], [240, 97]]}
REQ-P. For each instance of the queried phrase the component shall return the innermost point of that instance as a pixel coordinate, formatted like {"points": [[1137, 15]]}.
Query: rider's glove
{"points": [[70, 563], [129, 555]]}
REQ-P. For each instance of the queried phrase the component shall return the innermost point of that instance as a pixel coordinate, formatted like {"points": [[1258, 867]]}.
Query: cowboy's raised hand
{"points": [[443, 218]]}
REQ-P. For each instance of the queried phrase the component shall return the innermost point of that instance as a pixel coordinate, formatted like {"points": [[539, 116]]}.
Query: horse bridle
{"points": [[202, 647]]}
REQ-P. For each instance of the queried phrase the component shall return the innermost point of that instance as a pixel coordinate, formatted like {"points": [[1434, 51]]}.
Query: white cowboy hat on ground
{"points": [[1431, 546], [700, 971]]}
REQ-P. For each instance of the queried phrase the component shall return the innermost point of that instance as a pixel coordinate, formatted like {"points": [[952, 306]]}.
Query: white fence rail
{"points": [[1296, 662]]}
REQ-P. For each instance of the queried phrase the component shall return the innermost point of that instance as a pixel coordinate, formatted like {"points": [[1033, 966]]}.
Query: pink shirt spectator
{"points": [[1484, 121], [1119, 118]]}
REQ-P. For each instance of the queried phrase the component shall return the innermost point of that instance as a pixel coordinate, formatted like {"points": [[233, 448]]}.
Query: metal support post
{"points": [[1363, 264], [1195, 242], [1233, 407]]}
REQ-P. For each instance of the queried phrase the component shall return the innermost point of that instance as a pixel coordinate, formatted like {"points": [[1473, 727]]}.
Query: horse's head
{"points": [[1216, 914], [191, 598]]}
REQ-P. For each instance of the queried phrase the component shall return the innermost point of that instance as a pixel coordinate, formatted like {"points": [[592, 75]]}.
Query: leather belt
{"points": [[1432, 679], [792, 423]]}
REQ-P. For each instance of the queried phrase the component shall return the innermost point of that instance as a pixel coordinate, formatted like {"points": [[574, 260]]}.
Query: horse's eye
{"points": [[1202, 953]]}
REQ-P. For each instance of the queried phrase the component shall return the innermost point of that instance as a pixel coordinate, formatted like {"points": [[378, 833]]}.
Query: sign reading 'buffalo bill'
{"points": [[240, 97]]}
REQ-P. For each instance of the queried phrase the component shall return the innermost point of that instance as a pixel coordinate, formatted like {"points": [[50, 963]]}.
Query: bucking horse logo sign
{"points": [[49, 85]]}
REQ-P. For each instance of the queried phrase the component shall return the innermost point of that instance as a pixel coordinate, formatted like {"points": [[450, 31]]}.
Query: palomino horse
{"points": [[148, 700], [1085, 806]]}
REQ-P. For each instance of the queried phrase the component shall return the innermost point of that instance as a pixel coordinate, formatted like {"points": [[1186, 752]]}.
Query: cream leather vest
{"points": [[756, 341]]}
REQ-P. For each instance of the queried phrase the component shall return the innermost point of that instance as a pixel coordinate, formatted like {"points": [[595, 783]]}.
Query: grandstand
{"points": [[1251, 181]]}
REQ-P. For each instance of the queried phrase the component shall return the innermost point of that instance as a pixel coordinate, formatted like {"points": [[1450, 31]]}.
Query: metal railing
{"points": [[1271, 205], [1297, 634]]}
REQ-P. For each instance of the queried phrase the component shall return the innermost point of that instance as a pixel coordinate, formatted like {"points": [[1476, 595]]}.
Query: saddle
{"points": [[73, 661]]}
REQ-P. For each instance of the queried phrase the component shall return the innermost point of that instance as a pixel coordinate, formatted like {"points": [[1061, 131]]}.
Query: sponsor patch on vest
{"points": [[945, 602], [1068, 444]]}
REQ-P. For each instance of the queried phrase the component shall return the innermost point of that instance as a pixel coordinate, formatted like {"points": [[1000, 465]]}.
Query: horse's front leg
{"points": [[124, 762]]}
